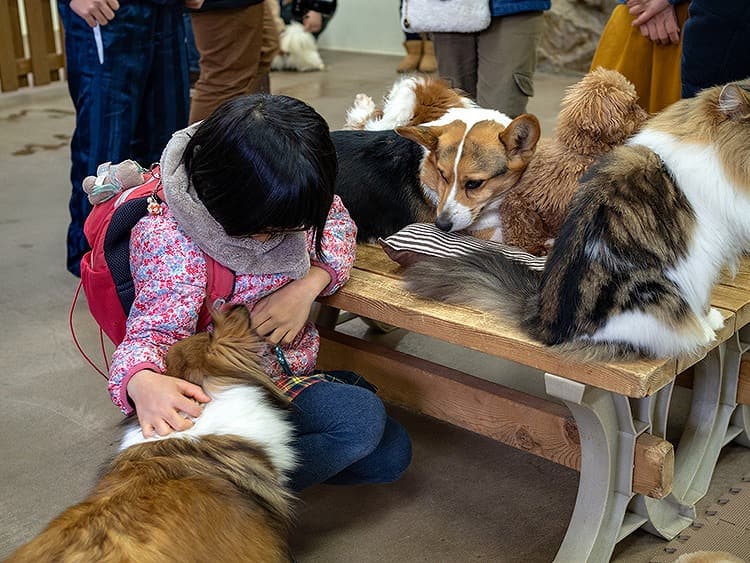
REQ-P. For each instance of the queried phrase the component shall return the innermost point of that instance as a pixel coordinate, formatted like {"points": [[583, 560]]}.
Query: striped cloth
{"points": [[419, 239]]}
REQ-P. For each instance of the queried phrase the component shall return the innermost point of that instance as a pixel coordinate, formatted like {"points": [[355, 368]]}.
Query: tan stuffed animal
{"points": [[111, 179], [598, 113]]}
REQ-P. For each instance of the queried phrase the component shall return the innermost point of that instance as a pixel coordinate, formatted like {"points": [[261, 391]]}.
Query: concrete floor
{"points": [[464, 498]]}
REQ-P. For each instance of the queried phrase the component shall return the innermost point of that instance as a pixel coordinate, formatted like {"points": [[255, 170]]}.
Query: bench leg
{"points": [[608, 433], [707, 429], [324, 315], [741, 418]]}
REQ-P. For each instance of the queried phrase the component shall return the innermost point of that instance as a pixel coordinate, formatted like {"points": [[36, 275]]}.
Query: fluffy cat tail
{"points": [[483, 279]]}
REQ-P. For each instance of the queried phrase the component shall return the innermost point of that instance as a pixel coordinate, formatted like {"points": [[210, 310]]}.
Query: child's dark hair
{"points": [[264, 163]]}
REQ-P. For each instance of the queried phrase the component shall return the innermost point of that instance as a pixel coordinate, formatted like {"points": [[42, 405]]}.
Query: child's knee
{"points": [[365, 419], [398, 456]]}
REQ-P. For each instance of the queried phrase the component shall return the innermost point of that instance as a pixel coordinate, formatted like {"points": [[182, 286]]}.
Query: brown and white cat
{"points": [[646, 237]]}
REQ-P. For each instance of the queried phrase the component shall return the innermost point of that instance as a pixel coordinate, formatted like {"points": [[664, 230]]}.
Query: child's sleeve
{"points": [[169, 274], [339, 246]]}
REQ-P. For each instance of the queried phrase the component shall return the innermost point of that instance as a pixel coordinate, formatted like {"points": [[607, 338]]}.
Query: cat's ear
{"points": [[734, 101], [520, 138]]}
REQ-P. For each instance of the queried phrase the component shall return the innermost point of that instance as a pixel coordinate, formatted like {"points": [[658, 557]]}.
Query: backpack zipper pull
{"points": [[153, 206]]}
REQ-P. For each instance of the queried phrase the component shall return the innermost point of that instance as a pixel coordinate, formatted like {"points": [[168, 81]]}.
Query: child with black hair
{"points": [[252, 187]]}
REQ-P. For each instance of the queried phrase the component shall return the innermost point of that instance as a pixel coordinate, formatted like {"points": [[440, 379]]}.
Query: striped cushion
{"points": [[424, 239]]}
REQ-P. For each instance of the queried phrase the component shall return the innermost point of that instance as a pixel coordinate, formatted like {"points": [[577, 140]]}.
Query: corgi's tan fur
{"points": [[472, 158]]}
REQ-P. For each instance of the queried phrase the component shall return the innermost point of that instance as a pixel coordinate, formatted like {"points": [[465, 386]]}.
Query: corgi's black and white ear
{"points": [[520, 138], [426, 136], [734, 100]]}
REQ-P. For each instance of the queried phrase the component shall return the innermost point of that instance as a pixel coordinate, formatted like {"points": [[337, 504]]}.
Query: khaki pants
{"points": [[229, 42], [494, 66]]}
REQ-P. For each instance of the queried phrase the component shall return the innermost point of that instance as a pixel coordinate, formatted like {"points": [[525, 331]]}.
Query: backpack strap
{"points": [[219, 289], [117, 238]]}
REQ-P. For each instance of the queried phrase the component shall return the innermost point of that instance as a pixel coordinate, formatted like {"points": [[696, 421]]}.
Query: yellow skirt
{"points": [[653, 69]]}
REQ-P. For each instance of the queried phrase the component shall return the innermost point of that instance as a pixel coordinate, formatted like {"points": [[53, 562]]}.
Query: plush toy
{"points": [[111, 179], [598, 113]]}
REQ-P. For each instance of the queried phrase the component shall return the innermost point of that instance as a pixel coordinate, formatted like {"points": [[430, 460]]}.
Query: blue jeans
{"points": [[192, 51], [345, 437]]}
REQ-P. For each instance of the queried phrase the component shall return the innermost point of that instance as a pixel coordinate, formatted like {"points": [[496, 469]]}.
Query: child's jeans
{"points": [[344, 437]]}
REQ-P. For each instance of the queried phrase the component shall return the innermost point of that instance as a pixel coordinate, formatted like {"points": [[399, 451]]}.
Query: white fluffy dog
{"points": [[298, 50]]}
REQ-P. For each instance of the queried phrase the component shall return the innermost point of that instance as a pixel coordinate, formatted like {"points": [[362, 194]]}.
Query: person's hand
{"points": [[644, 10], [312, 21], [280, 316], [193, 4], [662, 28], [162, 402], [95, 11]]}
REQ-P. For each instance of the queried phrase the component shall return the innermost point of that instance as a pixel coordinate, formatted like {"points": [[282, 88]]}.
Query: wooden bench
{"points": [[612, 427]]}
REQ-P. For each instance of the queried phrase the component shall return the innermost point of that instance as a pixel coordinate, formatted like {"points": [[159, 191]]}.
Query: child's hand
{"points": [[280, 316], [162, 402]]}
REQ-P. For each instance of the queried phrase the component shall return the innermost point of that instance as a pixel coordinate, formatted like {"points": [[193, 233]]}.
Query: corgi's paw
{"points": [[715, 319]]}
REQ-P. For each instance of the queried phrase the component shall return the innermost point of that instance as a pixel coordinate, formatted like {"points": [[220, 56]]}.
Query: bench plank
{"points": [[734, 299], [372, 258], [686, 361], [384, 299], [653, 466], [522, 421], [742, 279], [743, 386]]}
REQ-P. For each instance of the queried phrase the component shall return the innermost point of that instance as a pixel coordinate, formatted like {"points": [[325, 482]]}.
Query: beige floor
{"points": [[465, 498]]}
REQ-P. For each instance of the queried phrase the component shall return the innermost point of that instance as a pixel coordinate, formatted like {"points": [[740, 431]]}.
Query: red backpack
{"points": [[105, 269]]}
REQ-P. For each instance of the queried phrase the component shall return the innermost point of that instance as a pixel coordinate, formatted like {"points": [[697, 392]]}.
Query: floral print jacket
{"points": [[169, 272]]}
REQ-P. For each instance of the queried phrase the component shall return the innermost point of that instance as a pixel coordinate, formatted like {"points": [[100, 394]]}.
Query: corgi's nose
{"points": [[444, 224]]}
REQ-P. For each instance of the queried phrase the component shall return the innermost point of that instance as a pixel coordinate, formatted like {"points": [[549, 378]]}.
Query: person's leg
{"points": [[428, 62], [457, 60], [343, 432], [229, 42], [507, 61], [385, 464], [714, 44], [269, 47], [166, 99], [413, 46], [106, 96], [193, 56]]}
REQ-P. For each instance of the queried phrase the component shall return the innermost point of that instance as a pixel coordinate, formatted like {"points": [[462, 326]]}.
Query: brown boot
{"points": [[413, 54], [428, 62]]}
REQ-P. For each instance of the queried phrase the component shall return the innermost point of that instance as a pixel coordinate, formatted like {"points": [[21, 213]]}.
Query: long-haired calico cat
{"points": [[647, 234], [212, 493]]}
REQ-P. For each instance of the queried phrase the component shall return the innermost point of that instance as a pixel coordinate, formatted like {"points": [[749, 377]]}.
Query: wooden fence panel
{"points": [[38, 60]]}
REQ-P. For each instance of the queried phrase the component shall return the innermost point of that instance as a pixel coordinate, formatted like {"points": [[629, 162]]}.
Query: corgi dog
{"points": [[452, 171], [214, 492], [649, 230], [412, 100], [298, 50]]}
